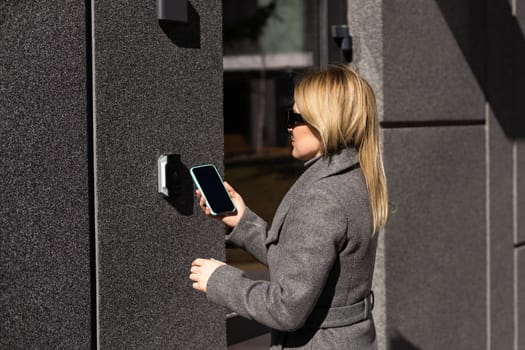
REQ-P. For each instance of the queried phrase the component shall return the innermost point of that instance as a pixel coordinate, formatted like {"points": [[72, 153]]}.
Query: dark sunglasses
{"points": [[294, 119]]}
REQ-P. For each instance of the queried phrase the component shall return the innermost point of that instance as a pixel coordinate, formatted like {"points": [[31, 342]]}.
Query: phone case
{"points": [[196, 181]]}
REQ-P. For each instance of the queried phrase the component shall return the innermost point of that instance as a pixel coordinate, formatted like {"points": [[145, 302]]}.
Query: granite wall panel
{"points": [[44, 172], [520, 297], [436, 238], [433, 60], [365, 22], [519, 78], [520, 195], [501, 233], [158, 89]]}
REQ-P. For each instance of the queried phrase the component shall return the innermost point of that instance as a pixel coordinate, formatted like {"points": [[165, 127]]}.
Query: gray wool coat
{"points": [[320, 254]]}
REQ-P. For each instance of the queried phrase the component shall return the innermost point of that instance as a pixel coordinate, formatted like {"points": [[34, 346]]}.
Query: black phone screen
{"points": [[212, 187]]}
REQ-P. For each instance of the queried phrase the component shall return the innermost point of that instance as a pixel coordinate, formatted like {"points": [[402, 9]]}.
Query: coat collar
{"points": [[316, 169], [344, 160]]}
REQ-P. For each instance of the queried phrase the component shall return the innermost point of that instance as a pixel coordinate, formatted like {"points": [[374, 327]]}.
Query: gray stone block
{"points": [[432, 60], [379, 289], [366, 26], [520, 289], [435, 239], [501, 231], [44, 186], [520, 153], [158, 90]]}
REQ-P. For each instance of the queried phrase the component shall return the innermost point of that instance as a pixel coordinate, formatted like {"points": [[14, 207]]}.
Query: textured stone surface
{"points": [[520, 289], [500, 165], [158, 90], [520, 163], [426, 76], [435, 240], [365, 21], [44, 206], [379, 289]]}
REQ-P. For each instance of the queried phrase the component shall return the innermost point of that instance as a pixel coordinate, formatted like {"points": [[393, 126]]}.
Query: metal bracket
{"points": [[341, 35], [172, 10]]}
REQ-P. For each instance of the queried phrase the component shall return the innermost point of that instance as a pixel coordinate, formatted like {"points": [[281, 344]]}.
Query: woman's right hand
{"points": [[230, 220]]}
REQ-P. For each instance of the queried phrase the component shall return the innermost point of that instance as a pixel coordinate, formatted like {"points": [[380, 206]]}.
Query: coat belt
{"points": [[341, 316]]}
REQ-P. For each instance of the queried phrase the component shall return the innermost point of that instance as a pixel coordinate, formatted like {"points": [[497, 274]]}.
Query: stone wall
{"points": [[91, 95], [449, 78]]}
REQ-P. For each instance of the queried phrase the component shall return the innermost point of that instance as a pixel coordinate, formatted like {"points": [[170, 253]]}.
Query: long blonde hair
{"points": [[341, 106]]}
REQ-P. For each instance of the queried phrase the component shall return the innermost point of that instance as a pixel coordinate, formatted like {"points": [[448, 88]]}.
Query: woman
{"points": [[320, 248]]}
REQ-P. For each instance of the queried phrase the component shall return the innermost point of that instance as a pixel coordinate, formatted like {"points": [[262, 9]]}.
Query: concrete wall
{"points": [[91, 94], [449, 78]]}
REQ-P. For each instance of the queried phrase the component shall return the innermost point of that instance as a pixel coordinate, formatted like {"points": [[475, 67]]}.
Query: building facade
{"points": [[93, 92]]}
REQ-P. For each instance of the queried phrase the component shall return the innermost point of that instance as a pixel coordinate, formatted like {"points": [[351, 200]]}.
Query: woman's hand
{"points": [[230, 220], [201, 270]]}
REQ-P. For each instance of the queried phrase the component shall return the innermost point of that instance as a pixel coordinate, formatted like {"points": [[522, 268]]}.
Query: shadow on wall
{"points": [[180, 185], [493, 44], [398, 342], [184, 34]]}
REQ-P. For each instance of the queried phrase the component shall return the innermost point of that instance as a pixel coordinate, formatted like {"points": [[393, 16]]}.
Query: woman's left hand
{"points": [[201, 270]]}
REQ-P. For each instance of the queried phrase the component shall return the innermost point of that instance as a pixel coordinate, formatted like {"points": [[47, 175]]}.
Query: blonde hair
{"points": [[341, 106]]}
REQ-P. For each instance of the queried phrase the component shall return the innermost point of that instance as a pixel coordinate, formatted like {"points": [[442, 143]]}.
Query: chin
{"points": [[299, 156]]}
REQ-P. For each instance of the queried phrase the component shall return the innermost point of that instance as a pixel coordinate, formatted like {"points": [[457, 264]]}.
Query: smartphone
{"points": [[209, 182]]}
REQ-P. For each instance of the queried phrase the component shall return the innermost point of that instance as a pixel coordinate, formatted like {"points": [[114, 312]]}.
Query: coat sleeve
{"points": [[250, 234], [305, 253]]}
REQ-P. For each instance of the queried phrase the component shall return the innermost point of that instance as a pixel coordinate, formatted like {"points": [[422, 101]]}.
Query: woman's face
{"points": [[305, 140]]}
